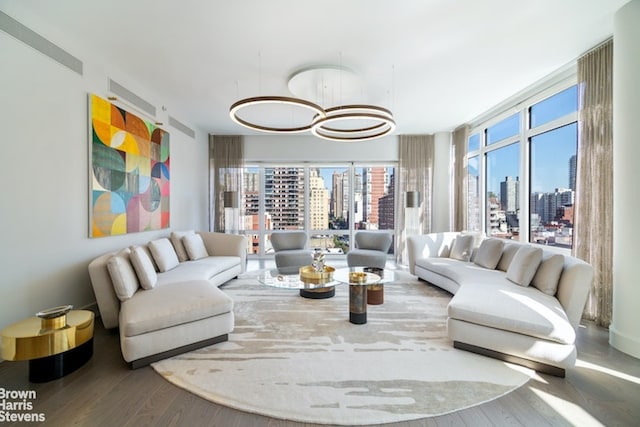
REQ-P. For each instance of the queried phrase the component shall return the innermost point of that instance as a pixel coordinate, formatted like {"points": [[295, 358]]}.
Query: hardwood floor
{"points": [[603, 389]]}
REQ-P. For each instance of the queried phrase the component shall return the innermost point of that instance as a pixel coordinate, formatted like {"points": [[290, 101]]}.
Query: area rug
{"points": [[301, 359]]}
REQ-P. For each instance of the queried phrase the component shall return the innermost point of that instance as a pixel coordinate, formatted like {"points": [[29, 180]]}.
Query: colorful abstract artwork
{"points": [[129, 172]]}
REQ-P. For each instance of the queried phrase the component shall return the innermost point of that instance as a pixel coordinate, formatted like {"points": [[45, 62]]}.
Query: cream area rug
{"points": [[301, 359]]}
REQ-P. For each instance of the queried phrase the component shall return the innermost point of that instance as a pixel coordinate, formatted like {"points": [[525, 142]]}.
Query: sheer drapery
{"points": [[459, 193], [415, 174], [226, 162], [593, 238]]}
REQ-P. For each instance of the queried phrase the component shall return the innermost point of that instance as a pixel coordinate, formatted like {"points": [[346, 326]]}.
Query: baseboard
{"points": [[537, 366], [139, 363]]}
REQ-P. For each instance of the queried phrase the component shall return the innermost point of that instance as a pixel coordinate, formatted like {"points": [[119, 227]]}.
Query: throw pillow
{"points": [[461, 248], [125, 281], [143, 267], [489, 253], [524, 265], [164, 254], [176, 241], [508, 253], [153, 261], [548, 274], [195, 246]]}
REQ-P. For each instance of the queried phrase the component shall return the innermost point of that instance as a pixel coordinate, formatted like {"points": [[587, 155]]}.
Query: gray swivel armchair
{"points": [[291, 250], [370, 249]]}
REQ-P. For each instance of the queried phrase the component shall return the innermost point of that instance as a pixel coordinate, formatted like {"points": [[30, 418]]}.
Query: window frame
{"points": [[520, 104]]}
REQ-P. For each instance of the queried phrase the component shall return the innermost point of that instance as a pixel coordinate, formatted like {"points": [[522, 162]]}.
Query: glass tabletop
{"points": [[290, 281], [364, 275], [370, 276]]}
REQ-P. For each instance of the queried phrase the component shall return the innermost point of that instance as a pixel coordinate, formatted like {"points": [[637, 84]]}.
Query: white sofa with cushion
{"points": [[518, 302], [164, 296]]}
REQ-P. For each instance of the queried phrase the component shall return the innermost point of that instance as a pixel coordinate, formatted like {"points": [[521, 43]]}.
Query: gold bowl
{"points": [[309, 275], [357, 277]]}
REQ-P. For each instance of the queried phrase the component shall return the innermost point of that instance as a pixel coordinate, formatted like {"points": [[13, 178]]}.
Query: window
{"points": [[474, 218], [553, 171], [330, 202], [503, 192], [522, 168]]}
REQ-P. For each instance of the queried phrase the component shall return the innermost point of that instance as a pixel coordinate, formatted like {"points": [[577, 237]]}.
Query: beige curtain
{"points": [[459, 202], [415, 174], [593, 239], [226, 162]]}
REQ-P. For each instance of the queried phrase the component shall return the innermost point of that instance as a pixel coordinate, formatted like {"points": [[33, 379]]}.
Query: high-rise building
{"points": [[339, 194], [386, 207], [374, 185], [549, 206], [509, 194], [573, 167], [318, 201], [284, 197]]}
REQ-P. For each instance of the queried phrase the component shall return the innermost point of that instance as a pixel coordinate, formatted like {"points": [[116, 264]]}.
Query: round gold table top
{"points": [[36, 337]]}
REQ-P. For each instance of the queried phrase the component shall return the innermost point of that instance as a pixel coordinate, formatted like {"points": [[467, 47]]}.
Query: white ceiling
{"points": [[435, 63]]}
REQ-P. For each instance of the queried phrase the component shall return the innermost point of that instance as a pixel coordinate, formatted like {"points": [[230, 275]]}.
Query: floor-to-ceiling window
{"points": [[329, 201], [522, 168]]}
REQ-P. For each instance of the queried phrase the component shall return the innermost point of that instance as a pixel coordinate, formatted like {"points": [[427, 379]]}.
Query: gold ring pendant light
{"points": [[346, 123], [383, 119], [282, 100]]}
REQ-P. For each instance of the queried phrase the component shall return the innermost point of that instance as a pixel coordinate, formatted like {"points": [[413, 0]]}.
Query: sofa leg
{"points": [[538, 366], [139, 363]]}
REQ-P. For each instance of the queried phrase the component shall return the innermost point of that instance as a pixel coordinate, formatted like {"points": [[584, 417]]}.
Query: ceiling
{"points": [[435, 63]]}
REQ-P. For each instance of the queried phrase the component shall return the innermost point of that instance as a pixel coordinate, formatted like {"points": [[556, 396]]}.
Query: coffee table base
{"points": [[358, 318], [320, 293], [57, 366]]}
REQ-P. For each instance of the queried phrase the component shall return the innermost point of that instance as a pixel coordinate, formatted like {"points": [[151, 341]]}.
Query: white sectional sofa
{"points": [[518, 302], [164, 296]]}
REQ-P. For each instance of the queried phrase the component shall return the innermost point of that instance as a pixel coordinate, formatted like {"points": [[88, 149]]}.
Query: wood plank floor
{"points": [[603, 389]]}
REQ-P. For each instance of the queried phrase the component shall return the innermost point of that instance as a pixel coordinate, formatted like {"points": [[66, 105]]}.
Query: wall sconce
{"points": [[412, 212], [231, 212]]}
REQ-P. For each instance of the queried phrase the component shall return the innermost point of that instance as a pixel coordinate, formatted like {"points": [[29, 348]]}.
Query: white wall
{"points": [[44, 210], [624, 333]]}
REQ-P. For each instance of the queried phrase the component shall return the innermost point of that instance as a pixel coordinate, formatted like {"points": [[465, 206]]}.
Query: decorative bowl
{"points": [[357, 277], [309, 275]]}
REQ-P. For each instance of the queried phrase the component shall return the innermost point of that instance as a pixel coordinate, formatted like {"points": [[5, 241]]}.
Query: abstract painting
{"points": [[130, 175]]}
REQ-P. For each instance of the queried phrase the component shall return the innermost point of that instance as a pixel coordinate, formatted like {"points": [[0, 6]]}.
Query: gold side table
{"points": [[56, 342]]}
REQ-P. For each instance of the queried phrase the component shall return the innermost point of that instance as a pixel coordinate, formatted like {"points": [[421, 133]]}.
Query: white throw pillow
{"points": [[125, 281], [461, 248], [508, 253], [164, 254], [489, 253], [195, 246], [524, 265], [176, 241], [153, 261], [144, 267], [548, 274]]}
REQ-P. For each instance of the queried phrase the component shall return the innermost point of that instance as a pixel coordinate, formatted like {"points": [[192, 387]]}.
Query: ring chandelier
{"points": [[324, 122], [348, 123]]}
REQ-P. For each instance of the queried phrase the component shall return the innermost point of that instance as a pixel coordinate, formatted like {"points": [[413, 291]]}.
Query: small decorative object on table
{"points": [[317, 273], [318, 260]]}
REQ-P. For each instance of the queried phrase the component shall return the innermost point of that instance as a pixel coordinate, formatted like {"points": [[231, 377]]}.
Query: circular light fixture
{"points": [[381, 117], [279, 100]]}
